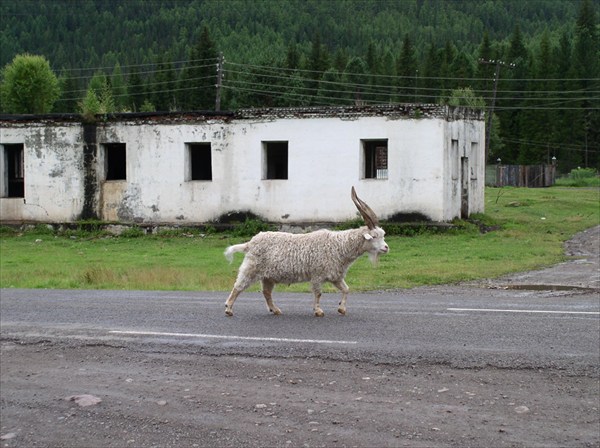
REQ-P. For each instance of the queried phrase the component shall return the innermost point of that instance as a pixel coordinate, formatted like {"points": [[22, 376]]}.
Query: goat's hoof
{"points": [[319, 313], [228, 313], [276, 312], [342, 311]]}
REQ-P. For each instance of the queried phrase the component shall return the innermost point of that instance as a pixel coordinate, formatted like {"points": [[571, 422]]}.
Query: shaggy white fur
{"points": [[316, 257]]}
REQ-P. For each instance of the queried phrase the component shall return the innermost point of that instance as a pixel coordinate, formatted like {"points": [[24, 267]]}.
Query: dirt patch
{"points": [[164, 400]]}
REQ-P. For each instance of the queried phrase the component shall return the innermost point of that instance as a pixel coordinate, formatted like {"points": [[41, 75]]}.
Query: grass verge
{"points": [[531, 227]]}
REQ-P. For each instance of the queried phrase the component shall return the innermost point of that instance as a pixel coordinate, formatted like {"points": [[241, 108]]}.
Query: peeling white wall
{"points": [[324, 161], [53, 172]]}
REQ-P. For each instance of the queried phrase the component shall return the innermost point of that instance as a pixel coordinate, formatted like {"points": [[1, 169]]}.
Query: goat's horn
{"points": [[368, 215]]}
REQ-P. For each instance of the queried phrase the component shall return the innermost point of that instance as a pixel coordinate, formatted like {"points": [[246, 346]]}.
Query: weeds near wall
{"points": [[188, 232], [8, 231], [133, 232], [250, 227], [350, 224]]}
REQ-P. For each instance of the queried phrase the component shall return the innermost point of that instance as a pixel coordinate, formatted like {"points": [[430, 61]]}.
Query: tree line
{"points": [[546, 99]]}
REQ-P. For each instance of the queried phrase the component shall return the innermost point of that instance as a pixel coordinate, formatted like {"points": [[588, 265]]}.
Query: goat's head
{"points": [[373, 235]]}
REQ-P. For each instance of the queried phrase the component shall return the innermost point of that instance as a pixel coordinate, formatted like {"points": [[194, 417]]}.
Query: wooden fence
{"points": [[533, 176]]}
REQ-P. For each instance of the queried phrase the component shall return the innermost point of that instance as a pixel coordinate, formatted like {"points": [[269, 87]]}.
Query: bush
{"points": [[43, 229], [351, 224], [133, 232], [8, 231], [583, 173], [250, 227], [580, 177]]}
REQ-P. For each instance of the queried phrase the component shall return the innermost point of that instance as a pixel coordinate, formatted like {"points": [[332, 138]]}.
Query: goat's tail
{"points": [[233, 249]]}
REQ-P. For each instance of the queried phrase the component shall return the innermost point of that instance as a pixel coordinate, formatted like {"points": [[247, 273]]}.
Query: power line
{"points": [[411, 88], [554, 145], [185, 64], [177, 89], [148, 64], [447, 78], [277, 82]]}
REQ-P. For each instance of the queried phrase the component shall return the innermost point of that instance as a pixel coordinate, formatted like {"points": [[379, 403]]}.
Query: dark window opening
{"points": [[276, 160], [15, 174], [376, 159], [200, 161], [116, 161]]}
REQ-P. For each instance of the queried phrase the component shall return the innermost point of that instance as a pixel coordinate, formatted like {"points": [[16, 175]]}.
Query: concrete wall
{"points": [[464, 167], [53, 167], [325, 158]]}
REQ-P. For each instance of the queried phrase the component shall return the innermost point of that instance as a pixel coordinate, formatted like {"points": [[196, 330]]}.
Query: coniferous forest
{"points": [[533, 65]]}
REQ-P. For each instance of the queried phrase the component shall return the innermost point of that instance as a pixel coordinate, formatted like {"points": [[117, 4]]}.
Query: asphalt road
{"points": [[462, 327]]}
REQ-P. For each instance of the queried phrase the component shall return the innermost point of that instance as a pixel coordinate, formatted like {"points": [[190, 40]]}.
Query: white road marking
{"points": [[220, 336], [488, 310]]}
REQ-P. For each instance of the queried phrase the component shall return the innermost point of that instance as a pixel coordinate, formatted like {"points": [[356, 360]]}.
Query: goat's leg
{"points": [[343, 287], [244, 279], [316, 288], [230, 300], [267, 289]]}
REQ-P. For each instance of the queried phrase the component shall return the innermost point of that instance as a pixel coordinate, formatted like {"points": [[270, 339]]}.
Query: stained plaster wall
{"points": [[53, 167], [156, 189], [470, 144], [324, 161]]}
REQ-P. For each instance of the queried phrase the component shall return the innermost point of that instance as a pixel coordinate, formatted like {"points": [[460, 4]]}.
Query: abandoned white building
{"points": [[284, 165]]}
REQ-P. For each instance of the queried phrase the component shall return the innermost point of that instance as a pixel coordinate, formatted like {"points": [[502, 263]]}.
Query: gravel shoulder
{"points": [[582, 271], [152, 397], [164, 400]]}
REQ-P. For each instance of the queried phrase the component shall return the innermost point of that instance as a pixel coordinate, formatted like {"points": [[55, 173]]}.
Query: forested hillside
{"points": [[165, 54]]}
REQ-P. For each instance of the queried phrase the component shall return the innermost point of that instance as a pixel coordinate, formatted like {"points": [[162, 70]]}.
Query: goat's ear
{"points": [[367, 237]]}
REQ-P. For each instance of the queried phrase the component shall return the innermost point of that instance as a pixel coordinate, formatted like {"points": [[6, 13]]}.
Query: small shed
{"points": [[286, 165]]}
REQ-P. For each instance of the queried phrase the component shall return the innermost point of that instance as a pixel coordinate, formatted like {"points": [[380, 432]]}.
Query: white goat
{"points": [[316, 257]]}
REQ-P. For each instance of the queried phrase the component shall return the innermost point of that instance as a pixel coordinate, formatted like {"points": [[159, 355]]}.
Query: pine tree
{"points": [[197, 84], [373, 62], [292, 59], [537, 120], [564, 133], [406, 68], [318, 62], [293, 93], [430, 81], [136, 90], [513, 81], [386, 82], [164, 84], [119, 88], [445, 72], [462, 69], [70, 94], [356, 79], [586, 54], [332, 90], [485, 71]]}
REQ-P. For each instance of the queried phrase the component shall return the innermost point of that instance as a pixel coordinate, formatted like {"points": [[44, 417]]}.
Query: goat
{"points": [[316, 257]]}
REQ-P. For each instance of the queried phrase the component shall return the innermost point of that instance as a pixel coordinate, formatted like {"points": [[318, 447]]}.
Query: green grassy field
{"points": [[532, 225]]}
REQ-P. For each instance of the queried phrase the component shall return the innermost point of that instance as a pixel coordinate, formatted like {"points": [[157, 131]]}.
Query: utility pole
{"points": [[219, 81], [488, 128]]}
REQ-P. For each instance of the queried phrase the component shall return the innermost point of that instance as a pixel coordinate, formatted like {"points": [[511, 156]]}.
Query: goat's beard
{"points": [[374, 258]]}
